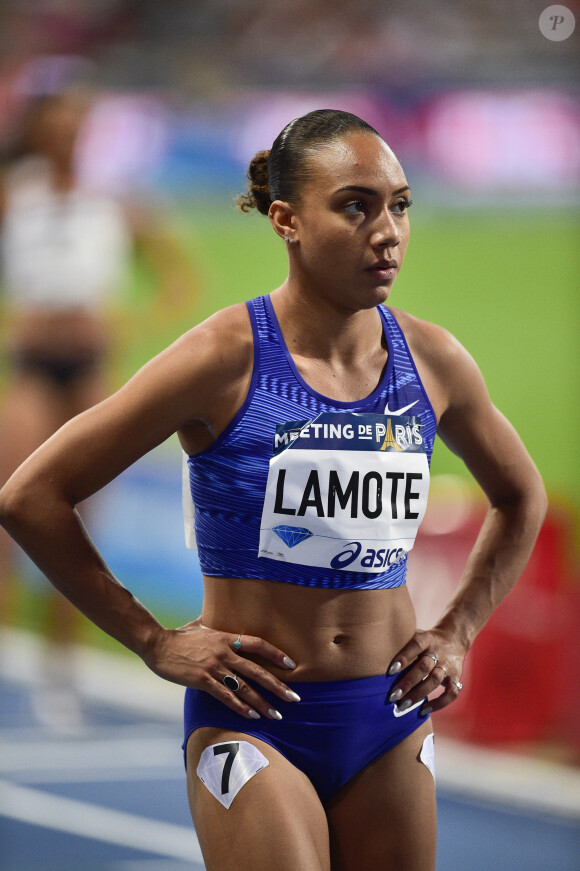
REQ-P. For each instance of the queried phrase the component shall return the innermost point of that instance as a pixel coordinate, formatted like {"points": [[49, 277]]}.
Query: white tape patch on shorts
{"points": [[427, 754], [225, 768]]}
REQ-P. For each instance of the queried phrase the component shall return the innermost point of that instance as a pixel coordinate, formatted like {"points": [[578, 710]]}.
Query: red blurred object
{"points": [[520, 677]]}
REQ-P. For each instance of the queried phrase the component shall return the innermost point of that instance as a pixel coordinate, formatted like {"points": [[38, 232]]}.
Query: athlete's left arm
{"points": [[473, 428]]}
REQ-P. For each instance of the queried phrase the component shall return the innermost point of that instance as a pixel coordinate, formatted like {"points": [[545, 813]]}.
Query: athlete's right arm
{"points": [[194, 388]]}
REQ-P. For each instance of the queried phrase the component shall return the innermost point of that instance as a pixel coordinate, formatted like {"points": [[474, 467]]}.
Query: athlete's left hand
{"points": [[431, 659]]}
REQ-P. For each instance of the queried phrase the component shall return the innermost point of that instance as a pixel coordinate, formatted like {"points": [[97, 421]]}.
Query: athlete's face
{"points": [[352, 226]]}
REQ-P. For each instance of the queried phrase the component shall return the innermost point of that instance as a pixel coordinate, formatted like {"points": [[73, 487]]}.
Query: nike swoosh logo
{"points": [[401, 410], [398, 713]]}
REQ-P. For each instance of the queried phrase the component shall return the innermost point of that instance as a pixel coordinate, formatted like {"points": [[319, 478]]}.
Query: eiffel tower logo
{"points": [[390, 440]]}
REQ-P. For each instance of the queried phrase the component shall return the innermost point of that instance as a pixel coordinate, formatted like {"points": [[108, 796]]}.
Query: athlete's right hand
{"points": [[196, 656]]}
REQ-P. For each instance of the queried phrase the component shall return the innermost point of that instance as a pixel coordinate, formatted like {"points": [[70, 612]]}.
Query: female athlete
{"points": [[308, 417]]}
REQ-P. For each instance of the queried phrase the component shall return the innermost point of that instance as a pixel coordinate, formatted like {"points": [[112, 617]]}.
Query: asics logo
{"points": [[372, 559]]}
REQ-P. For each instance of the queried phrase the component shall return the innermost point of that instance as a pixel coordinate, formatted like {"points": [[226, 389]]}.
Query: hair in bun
{"points": [[281, 172]]}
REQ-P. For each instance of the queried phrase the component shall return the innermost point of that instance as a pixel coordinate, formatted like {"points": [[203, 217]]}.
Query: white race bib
{"points": [[345, 491]]}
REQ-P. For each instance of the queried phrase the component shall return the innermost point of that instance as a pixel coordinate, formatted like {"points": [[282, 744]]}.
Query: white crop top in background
{"points": [[60, 250]]}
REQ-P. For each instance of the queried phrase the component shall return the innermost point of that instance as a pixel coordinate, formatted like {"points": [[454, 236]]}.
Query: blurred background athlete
{"points": [[66, 251]]}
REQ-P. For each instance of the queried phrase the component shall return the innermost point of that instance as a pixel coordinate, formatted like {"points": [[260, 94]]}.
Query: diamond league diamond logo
{"points": [[292, 535]]}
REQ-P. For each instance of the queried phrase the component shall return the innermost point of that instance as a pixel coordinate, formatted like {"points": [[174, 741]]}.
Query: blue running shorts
{"points": [[337, 729]]}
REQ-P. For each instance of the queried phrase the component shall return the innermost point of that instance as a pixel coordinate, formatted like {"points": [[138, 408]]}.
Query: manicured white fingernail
{"points": [[425, 711], [289, 663], [406, 704], [395, 695], [254, 715], [294, 697], [396, 666], [276, 715]]}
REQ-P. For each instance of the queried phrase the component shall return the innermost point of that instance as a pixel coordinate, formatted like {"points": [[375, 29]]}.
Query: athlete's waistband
{"points": [[342, 689]]}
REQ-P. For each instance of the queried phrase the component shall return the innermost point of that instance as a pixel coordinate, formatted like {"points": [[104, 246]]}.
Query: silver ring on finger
{"points": [[433, 656], [443, 669], [231, 682], [237, 645], [458, 684]]}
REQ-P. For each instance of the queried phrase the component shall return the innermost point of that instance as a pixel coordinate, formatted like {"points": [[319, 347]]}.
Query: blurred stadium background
{"points": [[484, 113]]}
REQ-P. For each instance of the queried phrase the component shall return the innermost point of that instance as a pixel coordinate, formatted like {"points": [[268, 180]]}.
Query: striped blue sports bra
{"points": [[307, 490]]}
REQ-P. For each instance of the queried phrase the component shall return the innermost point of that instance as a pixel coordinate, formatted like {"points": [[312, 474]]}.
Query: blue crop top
{"points": [[308, 490]]}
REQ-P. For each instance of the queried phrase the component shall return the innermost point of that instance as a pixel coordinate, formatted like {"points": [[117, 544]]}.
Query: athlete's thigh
{"points": [[276, 820], [385, 817]]}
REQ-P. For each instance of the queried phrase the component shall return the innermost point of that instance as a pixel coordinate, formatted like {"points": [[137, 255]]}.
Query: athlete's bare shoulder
{"points": [[449, 373], [198, 382], [224, 341], [425, 338], [213, 363]]}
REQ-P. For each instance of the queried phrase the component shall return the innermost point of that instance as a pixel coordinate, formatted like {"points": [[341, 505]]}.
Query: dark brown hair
{"points": [[280, 173]]}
